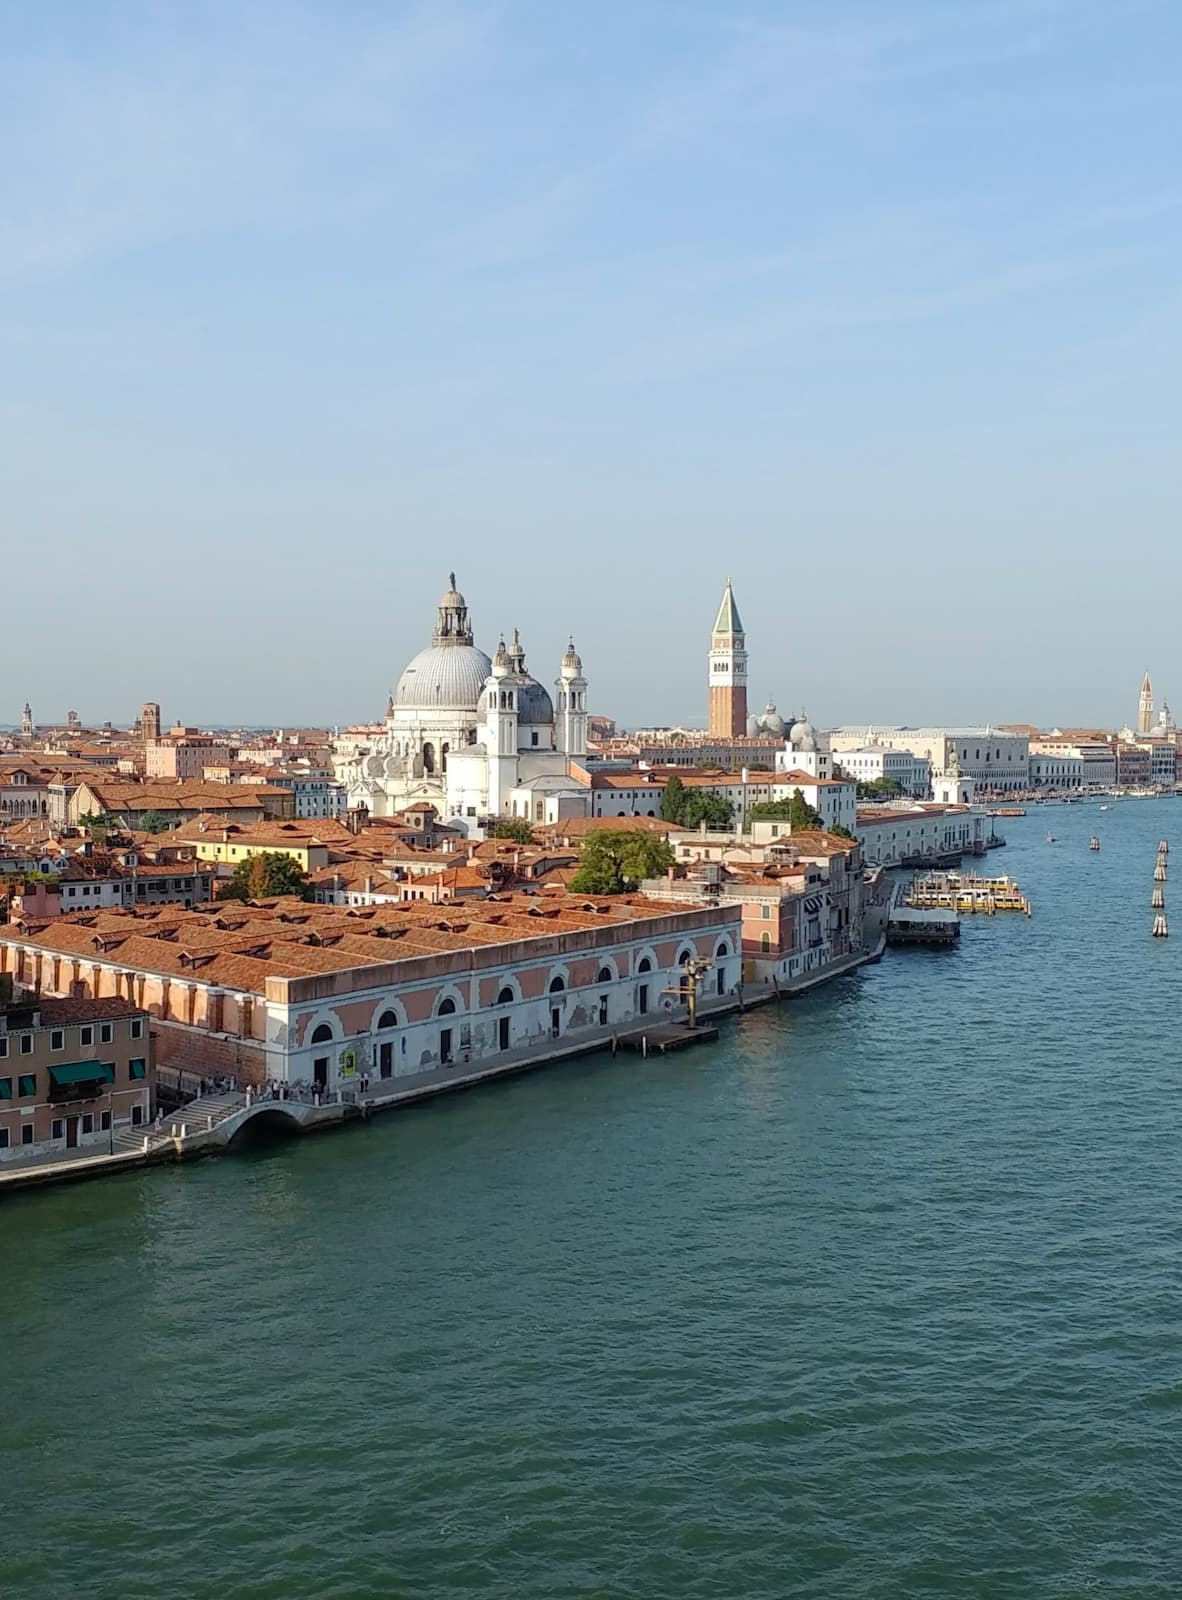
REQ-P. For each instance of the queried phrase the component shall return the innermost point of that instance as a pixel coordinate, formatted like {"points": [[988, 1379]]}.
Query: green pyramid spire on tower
{"points": [[728, 621]]}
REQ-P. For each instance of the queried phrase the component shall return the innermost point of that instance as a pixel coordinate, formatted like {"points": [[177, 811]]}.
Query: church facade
{"points": [[476, 736]]}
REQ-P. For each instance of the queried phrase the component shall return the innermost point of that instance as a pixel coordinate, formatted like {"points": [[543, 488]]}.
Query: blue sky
{"points": [[874, 306]]}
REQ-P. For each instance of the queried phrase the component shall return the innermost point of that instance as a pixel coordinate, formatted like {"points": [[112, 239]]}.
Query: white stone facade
{"points": [[468, 732]]}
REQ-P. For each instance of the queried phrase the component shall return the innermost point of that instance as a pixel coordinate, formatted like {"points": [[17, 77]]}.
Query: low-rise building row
{"points": [[307, 993]]}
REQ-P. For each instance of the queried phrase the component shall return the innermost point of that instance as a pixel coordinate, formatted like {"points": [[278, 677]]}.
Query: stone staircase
{"points": [[196, 1117]]}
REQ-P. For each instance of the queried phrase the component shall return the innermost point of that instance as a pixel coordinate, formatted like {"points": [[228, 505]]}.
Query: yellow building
{"points": [[227, 844]]}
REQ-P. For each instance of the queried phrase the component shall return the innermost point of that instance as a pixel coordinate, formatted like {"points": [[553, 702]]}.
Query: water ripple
{"points": [[878, 1298]]}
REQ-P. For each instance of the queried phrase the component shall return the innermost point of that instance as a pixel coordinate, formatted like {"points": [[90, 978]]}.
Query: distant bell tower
{"points": [[500, 728], [728, 670], [27, 719], [1145, 707], [150, 720], [572, 705]]}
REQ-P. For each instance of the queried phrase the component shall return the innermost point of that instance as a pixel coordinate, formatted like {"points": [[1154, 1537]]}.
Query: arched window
{"points": [[446, 1007], [443, 749], [683, 958], [428, 758], [644, 965], [765, 941], [557, 986], [723, 950], [321, 1034], [506, 996], [606, 975], [388, 1019]]}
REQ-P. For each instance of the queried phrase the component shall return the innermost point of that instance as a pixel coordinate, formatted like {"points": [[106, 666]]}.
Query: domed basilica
{"points": [[474, 736]]}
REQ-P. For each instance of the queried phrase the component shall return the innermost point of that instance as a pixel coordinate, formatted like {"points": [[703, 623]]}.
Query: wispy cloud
{"points": [[761, 70], [697, 347], [159, 136]]}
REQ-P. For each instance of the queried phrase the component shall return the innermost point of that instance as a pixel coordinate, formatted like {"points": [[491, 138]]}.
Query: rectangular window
{"points": [[5, 1088], [26, 1084], [58, 1130], [105, 1121], [106, 1032], [3, 1138], [57, 1039], [26, 1044], [86, 1035], [3, 1046], [137, 1116], [88, 1122], [137, 1027], [138, 1068], [26, 1133]]}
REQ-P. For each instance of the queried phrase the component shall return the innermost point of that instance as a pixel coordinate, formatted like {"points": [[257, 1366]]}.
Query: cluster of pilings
{"points": [[1161, 927]]}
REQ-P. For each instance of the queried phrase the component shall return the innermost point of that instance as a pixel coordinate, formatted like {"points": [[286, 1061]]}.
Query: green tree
{"points": [[264, 875], [516, 828], [702, 806], [154, 822], [796, 811], [841, 831], [612, 862], [673, 799], [692, 807], [879, 789], [98, 824]]}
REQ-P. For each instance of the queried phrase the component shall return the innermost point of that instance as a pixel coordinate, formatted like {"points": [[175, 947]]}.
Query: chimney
{"points": [[369, 885], [744, 774]]}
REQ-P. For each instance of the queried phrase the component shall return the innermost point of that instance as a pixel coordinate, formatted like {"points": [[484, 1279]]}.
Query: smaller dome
{"points": [[772, 722], [753, 726], [534, 705], [571, 661], [803, 735]]}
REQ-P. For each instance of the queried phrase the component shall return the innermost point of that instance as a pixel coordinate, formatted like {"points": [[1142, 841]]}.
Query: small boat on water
{"points": [[1093, 843], [1050, 838], [1104, 807]]}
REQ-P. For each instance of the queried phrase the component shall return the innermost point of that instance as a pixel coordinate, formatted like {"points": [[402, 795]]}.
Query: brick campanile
{"points": [[728, 670]]}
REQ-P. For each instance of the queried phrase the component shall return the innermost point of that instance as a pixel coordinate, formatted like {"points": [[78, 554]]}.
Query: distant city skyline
{"points": [[874, 308]]}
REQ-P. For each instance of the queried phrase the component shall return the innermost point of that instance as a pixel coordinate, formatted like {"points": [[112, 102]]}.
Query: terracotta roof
{"points": [[239, 946], [162, 795], [57, 1013]]}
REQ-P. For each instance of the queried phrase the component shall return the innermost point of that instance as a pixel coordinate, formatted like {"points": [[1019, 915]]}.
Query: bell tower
{"points": [[500, 730], [728, 670], [1145, 706], [572, 705]]}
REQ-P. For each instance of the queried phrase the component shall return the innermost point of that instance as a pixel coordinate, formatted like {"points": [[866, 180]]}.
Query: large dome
{"points": [[445, 677]]}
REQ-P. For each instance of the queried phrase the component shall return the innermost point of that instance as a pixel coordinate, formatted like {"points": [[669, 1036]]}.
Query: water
{"points": [[878, 1297]]}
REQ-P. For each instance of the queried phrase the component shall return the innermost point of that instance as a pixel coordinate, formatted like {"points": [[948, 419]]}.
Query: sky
{"points": [[875, 307]]}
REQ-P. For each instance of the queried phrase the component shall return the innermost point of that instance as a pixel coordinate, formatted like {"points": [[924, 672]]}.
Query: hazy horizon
{"points": [[872, 307]]}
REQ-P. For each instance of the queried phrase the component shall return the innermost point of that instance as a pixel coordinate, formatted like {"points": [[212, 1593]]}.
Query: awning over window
{"points": [[81, 1072]]}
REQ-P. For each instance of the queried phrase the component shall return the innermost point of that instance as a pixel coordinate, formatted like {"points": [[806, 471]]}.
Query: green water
{"points": [[878, 1297]]}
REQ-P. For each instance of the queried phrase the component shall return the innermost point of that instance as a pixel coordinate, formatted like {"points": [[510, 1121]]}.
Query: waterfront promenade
{"points": [[215, 1119]]}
